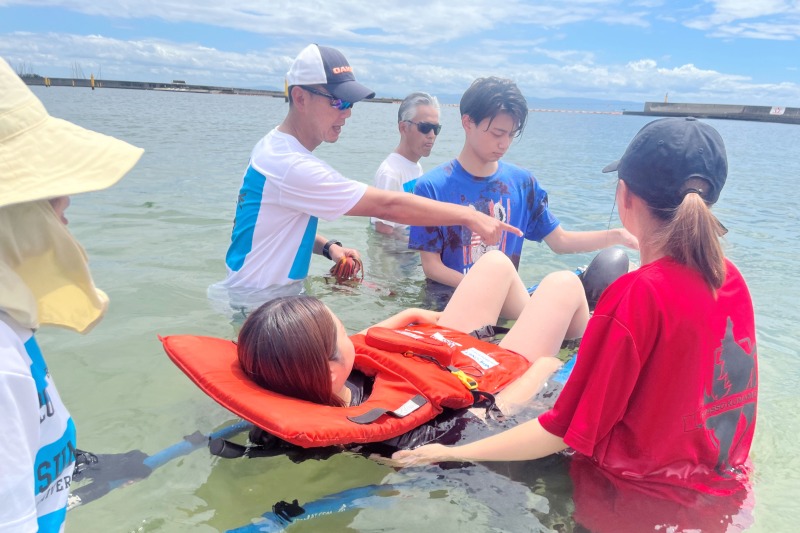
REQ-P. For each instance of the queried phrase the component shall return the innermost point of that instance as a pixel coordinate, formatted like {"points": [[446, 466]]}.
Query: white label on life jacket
{"points": [[409, 407], [411, 334], [439, 337], [479, 357]]}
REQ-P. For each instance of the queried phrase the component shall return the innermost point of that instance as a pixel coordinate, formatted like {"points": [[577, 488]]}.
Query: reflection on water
{"points": [[157, 240]]}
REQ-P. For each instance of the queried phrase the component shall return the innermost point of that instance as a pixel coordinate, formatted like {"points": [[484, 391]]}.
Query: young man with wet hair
{"points": [[286, 189], [418, 123], [493, 114]]}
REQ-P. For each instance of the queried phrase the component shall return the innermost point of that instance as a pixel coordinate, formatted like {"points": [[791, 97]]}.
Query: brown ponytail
{"points": [[692, 234], [285, 345]]}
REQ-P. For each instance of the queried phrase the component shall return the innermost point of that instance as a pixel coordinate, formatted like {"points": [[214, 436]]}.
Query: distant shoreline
{"points": [[175, 86], [180, 87], [784, 115]]}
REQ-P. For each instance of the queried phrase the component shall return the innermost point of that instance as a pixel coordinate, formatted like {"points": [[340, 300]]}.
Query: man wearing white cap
{"points": [[286, 189], [44, 279]]}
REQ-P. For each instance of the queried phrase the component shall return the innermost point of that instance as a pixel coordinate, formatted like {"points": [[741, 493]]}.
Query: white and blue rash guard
{"points": [[285, 190], [37, 448]]}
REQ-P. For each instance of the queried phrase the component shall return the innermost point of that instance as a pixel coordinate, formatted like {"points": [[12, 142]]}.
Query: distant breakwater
{"points": [[784, 115], [175, 86]]}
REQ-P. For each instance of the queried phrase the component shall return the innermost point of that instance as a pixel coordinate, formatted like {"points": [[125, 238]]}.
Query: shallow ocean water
{"points": [[158, 238]]}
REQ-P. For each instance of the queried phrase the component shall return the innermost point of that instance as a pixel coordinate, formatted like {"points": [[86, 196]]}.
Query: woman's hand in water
{"points": [[424, 455]]}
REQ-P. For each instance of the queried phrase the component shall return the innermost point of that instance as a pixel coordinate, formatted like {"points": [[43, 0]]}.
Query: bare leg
{"points": [[491, 289], [557, 310]]}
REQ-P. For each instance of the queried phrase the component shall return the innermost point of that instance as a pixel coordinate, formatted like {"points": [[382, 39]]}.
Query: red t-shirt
{"points": [[665, 384]]}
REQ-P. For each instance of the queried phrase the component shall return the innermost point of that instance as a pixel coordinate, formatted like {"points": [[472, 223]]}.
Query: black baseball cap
{"points": [[668, 152]]}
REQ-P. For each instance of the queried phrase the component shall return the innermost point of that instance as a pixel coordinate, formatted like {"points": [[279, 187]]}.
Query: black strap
{"points": [[231, 450], [288, 511], [487, 401], [373, 414], [326, 249], [487, 332]]}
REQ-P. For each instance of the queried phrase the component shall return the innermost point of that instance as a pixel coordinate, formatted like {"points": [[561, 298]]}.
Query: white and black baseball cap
{"points": [[322, 65]]}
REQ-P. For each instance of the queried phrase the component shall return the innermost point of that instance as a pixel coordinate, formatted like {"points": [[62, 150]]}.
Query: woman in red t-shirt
{"points": [[665, 385]]}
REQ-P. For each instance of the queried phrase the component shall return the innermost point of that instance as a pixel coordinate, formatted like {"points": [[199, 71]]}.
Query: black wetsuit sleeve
{"points": [[447, 428]]}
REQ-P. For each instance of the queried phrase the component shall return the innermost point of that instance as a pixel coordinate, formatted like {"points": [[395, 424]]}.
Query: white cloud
{"points": [[759, 30], [400, 47], [552, 74], [762, 19], [55, 55], [378, 21]]}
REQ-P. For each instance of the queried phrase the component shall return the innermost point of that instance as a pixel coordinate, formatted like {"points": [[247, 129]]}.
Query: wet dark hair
{"points": [[488, 97], [285, 346]]}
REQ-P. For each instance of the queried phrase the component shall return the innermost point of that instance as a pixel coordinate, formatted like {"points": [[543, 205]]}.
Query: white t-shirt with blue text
{"points": [[37, 448]]}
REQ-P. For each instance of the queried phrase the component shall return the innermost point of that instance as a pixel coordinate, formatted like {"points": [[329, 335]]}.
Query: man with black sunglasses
{"points": [[286, 189], [493, 114], [418, 123]]}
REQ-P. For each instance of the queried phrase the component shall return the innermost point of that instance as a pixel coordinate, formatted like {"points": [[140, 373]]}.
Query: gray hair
{"points": [[409, 106]]}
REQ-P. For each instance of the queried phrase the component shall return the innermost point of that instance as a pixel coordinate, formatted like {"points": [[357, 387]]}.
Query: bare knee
{"points": [[496, 260], [566, 283]]}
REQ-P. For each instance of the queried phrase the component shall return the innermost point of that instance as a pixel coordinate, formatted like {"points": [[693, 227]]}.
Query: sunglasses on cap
{"points": [[426, 127], [338, 103]]}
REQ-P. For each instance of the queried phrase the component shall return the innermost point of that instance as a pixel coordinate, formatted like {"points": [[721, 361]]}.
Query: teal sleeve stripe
{"points": [[244, 224], [302, 260]]}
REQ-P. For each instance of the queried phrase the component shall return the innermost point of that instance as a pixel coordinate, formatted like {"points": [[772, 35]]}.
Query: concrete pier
{"points": [[785, 115], [145, 85], [176, 86]]}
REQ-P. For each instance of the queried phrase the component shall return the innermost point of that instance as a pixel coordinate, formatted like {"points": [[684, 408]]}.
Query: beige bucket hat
{"points": [[43, 157], [44, 271]]}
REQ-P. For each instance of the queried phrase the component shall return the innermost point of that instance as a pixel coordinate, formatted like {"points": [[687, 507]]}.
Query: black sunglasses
{"points": [[338, 103], [426, 127]]}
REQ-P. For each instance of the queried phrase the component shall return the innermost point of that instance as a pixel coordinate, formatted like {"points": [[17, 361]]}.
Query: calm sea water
{"points": [[158, 238]]}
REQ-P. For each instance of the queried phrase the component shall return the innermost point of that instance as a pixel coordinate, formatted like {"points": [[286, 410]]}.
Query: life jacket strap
{"points": [[487, 401], [407, 408]]}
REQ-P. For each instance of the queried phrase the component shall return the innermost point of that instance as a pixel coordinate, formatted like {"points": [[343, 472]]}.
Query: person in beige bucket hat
{"points": [[44, 279]]}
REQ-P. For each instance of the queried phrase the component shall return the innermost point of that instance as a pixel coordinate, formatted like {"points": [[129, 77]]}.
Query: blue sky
{"points": [[723, 51]]}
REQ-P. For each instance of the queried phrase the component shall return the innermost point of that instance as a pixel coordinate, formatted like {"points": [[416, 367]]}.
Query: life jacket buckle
{"points": [[462, 376]]}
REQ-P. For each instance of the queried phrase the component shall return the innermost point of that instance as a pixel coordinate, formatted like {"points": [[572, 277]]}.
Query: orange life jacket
{"points": [[411, 383]]}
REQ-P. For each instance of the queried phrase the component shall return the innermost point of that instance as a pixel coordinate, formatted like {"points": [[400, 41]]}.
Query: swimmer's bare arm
{"points": [[408, 316], [418, 211], [435, 269], [562, 241], [524, 442]]}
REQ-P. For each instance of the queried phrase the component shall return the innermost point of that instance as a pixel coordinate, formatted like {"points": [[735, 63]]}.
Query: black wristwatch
{"points": [[326, 250]]}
